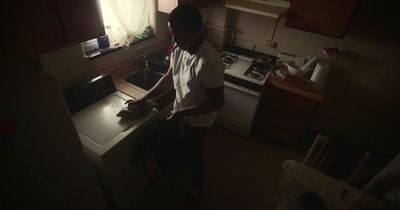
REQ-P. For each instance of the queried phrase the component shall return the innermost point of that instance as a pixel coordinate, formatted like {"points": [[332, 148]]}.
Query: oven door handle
{"points": [[243, 89]]}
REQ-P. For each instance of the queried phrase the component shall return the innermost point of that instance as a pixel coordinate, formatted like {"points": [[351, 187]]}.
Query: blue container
{"points": [[103, 42]]}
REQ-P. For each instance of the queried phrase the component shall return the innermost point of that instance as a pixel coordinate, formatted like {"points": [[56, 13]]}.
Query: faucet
{"points": [[146, 63]]}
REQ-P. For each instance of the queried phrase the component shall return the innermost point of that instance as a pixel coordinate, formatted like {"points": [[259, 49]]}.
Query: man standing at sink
{"points": [[196, 73]]}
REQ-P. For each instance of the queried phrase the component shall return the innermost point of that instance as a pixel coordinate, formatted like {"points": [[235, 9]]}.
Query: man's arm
{"points": [[214, 101], [164, 85]]}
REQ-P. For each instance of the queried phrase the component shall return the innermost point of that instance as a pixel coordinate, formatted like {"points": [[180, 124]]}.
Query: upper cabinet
{"points": [[328, 17], [44, 25], [270, 8], [167, 6]]}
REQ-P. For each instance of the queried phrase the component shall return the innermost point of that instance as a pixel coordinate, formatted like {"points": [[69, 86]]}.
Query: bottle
{"points": [[148, 31], [329, 54]]}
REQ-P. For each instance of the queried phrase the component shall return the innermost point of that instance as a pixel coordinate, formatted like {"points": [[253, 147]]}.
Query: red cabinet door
{"points": [[328, 17], [36, 27], [83, 22]]}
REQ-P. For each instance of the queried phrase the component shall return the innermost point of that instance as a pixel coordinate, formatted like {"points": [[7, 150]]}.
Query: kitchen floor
{"points": [[240, 174]]}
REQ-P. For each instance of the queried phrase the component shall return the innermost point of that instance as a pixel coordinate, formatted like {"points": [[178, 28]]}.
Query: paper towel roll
{"points": [[319, 75]]}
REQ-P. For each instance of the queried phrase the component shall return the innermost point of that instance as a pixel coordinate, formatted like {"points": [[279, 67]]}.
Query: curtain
{"points": [[125, 20]]}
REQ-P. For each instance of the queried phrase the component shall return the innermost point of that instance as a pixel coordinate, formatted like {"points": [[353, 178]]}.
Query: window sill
{"points": [[101, 52]]}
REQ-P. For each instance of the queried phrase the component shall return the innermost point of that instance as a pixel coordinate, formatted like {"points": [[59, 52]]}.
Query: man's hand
{"points": [[136, 104]]}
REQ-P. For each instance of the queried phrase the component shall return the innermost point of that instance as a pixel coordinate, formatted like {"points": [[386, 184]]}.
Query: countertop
{"points": [[122, 70], [315, 95]]}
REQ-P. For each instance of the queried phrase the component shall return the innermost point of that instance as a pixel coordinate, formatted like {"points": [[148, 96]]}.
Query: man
{"points": [[196, 74]]}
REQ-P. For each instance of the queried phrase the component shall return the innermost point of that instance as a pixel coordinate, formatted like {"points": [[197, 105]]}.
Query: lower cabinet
{"points": [[282, 115], [73, 187]]}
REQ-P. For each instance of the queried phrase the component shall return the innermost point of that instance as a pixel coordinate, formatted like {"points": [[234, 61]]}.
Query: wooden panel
{"points": [[40, 26], [83, 22], [328, 17], [45, 138], [283, 115], [315, 95], [36, 28]]}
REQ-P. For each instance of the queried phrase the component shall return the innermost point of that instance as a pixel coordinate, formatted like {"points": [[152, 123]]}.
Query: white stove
{"points": [[242, 70], [244, 82]]}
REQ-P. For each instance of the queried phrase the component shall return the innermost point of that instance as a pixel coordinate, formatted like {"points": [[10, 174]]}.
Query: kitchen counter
{"points": [[314, 95]]}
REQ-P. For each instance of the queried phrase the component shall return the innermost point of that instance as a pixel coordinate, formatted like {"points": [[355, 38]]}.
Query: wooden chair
{"points": [[341, 160]]}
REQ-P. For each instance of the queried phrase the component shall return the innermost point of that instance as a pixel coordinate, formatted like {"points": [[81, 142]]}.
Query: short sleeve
{"points": [[212, 74]]}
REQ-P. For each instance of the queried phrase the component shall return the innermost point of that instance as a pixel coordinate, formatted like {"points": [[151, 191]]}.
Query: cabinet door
{"points": [[40, 26], [81, 19], [328, 17], [73, 187], [283, 115], [35, 27], [45, 138]]}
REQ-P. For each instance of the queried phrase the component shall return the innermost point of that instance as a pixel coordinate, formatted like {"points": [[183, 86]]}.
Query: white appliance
{"points": [[111, 142], [244, 82], [41, 158]]}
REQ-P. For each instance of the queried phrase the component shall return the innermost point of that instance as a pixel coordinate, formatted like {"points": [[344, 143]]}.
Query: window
{"points": [[125, 22]]}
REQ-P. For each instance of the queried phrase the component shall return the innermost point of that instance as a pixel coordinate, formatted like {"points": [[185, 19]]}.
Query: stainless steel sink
{"points": [[148, 75]]}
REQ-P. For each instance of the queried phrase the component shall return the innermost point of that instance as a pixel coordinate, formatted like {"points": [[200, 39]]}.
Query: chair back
{"points": [[338, 159]]}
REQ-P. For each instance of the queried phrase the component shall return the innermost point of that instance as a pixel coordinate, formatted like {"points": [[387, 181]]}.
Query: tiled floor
{"points": [[240, 174]]}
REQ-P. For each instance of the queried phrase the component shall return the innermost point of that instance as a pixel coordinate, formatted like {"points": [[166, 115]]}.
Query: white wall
{"points": [[69, 66], [362, 90]]}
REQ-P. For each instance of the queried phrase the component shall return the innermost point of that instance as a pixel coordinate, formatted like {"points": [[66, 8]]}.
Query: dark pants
{"points": [[179, 146], [194, 139]]}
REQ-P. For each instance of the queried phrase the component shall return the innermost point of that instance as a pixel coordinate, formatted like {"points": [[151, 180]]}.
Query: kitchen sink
{"points": [[144, 78], [148, 75]]}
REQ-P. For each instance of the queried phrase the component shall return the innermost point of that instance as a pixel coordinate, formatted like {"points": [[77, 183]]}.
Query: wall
{"points": [[361, 93], [70, 67]]}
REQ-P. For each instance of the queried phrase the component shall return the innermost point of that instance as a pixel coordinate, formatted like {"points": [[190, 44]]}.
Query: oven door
{"points": [[239, 109]]}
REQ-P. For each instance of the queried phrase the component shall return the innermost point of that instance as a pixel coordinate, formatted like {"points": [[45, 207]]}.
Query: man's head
{"points": [[185, 22]]}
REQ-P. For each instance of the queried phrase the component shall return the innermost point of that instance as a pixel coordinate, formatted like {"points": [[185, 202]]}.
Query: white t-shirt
{"points": [[192, 74]]}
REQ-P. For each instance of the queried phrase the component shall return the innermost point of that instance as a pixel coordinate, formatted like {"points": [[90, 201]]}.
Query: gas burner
{"points": [[255, 75], [261, 67], [228, 59], [258, 70]]}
